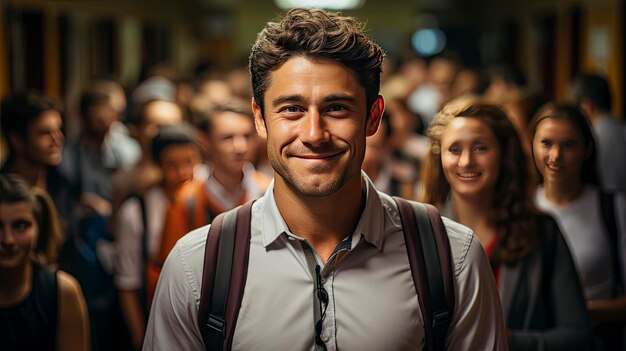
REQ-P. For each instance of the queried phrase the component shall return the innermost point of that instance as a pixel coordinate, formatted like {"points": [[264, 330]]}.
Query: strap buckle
{"points": [[441, 317], [216, 324]]}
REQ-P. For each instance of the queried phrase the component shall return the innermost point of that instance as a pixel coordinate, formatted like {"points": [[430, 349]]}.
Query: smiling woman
{"points": [[40, 308], [593, 222], [478, 174]]}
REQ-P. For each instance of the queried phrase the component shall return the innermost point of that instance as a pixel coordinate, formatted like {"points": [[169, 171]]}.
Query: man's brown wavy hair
{"points": [[512, 209], [316, 34]]}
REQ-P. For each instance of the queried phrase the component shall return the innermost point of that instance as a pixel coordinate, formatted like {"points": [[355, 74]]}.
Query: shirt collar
{"points": [[370, 225]]}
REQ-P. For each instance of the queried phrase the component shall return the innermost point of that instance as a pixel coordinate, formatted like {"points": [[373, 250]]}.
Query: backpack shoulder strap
{"points": [[430, 259], [607, 208], [224, 276], [144, 255]]}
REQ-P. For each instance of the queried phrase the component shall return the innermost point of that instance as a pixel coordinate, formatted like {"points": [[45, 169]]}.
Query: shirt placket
{"points": [[329, 329]]}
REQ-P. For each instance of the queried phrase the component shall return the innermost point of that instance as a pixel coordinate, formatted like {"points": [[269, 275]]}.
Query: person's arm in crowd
{"points": [[133, 316], [608, 311], [73, 321], [173, 317], [571, 324], [614, 310], [129, 260]]}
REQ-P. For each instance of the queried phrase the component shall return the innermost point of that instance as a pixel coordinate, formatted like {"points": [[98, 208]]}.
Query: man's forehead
{"points": [[304, 76]]}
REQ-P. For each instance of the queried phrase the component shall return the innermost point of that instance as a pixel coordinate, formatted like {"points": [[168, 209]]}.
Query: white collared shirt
{"points": [[372, 297]]}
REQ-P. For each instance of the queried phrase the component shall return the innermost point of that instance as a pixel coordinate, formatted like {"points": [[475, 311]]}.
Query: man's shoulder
{"points": [[461, 240], [194, 240]]}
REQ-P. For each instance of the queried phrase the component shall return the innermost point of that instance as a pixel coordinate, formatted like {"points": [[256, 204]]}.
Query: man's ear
{"points": [[375, 115], [259, 121]]}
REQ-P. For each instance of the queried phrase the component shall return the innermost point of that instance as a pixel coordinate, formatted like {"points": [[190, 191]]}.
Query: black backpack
{"points": [[226, 263]]}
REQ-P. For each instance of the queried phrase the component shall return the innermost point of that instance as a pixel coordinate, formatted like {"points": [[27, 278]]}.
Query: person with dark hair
{"points": [[506, 83], [377, 164], [40, 308], [88, 164], [328, 266], [139, 224], [479, 174], [592, 94], [565, 156], [231, 181], [33, 127], [146, 172]]}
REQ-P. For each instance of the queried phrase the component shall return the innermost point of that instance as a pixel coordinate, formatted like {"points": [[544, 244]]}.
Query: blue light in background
{"points": [[428, 41]]}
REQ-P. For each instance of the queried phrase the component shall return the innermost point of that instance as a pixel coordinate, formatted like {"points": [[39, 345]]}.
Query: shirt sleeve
{"points": [[477, 321], [128, 231], [173, 317]]}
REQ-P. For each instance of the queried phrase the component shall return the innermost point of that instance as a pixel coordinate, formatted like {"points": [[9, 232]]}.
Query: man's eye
{"points": [[337, 108], [291, 109]]}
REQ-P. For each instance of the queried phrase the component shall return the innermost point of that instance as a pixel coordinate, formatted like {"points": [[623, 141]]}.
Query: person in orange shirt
{"points": [[231, 179], [139, 224]]}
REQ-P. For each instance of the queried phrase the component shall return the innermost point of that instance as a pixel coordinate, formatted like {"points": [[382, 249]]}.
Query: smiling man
{"points": [[33, 127], [322, 226]]}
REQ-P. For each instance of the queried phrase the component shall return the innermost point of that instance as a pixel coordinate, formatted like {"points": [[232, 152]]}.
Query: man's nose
{"points": [[313, 130], [241, 144]]}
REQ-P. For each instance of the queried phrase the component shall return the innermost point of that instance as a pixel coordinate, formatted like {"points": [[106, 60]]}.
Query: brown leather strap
{"points": [[445, 253], [417, 264], [239, 271], [208, 272]]}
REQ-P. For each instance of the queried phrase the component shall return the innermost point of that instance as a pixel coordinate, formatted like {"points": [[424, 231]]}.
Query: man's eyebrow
{"points": [[288, 98], [340, 97], [299, 99]]}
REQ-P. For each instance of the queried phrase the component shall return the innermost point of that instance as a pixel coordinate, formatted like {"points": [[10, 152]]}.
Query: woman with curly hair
{"points": [[478, 174], [593, 222], [40, 308]]}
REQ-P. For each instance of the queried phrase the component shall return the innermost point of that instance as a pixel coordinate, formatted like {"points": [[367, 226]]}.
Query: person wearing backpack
{"points": [[139, 224], [328, 266], [593, 221]]}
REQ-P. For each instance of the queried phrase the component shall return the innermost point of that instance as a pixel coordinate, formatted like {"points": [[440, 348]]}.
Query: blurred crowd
{"points": [[154, 161]]}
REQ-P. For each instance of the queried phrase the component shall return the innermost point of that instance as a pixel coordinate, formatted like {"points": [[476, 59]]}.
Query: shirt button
{"points": [[325, 337], [323, 280]]}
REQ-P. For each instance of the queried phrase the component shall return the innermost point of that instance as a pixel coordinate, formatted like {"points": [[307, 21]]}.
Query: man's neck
{"points": [[34, 173], [94, 141], [230, 182], [323, 221]]}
